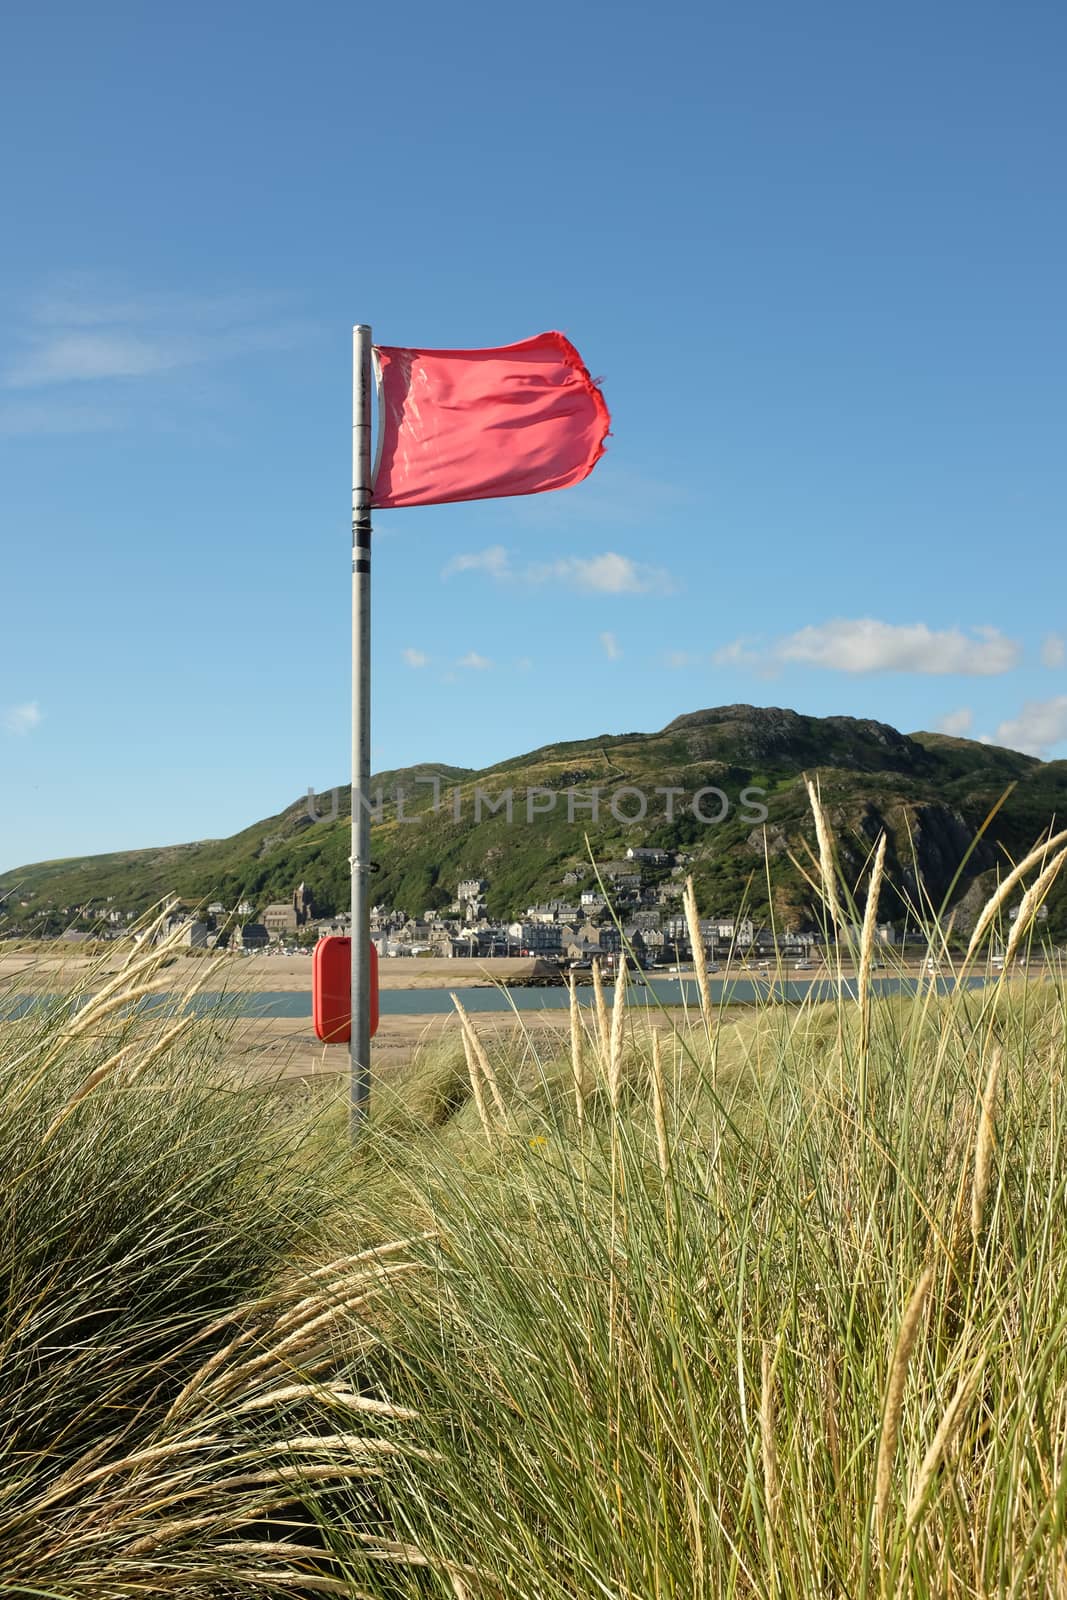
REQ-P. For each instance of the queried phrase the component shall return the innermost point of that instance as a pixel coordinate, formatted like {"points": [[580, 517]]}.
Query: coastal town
{"points": [[633, 903]]}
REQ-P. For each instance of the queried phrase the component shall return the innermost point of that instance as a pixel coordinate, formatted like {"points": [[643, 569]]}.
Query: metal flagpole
{"points": [[360, 859]]}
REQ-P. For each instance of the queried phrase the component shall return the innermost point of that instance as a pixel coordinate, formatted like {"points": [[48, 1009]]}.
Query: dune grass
{"points": [[770, 1304], [754, 1343], [174, 1393]]}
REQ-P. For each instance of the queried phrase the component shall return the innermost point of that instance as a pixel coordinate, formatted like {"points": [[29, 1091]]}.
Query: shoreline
{"points": [[280, 974], [292, 974], [286, 1049]]}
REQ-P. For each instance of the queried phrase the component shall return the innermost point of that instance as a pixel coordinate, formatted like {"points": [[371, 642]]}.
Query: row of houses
{"points": [[635, 899]]}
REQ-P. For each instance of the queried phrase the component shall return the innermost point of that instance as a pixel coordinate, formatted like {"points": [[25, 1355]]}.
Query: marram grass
{"points": [[772, 1304], [775, 1306], [732, 1343], [176, 1399]]}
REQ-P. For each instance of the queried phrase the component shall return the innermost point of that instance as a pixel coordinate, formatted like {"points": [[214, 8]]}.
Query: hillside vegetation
{"points": [[931, 794]]}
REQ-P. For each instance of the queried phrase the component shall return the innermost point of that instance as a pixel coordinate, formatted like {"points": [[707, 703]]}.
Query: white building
{"points": [[537, 937]]}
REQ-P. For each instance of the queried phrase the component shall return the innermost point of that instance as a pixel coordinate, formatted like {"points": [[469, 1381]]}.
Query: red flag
{"points": [[473, 424]]}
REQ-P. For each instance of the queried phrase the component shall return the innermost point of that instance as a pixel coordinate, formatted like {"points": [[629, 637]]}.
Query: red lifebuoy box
{"points": [[331, 990]]}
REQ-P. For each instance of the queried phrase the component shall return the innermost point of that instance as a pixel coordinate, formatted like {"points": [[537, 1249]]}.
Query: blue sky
{"points": [[817, 255]]}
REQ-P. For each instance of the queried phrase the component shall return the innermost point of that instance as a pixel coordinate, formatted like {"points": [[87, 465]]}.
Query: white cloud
{"points": [[82, 357], [415, 658], [609, 573], [611, 647], [22, 719], [475, 662], [77, 334], [1053, 650], [741, 653], [72, 357], [495, 561], [956, 723], [1040, 725], [865, 645], [678, 660]]}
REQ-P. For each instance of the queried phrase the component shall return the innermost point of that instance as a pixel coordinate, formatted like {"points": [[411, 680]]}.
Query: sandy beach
{"points": [[286, 1047], [259, 973]]}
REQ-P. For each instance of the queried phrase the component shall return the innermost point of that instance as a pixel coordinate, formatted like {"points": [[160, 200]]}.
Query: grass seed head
{"points": [[615, 1046], [659, 1112], [1030, 904], [696, 945], [827, 869], [577, 1064], [984, 1146], [768, 1444], [993, 905], [894, 1400], [947, 1429], [603, 1026]]}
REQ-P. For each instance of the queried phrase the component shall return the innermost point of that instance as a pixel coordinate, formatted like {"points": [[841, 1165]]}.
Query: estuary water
{"points": [[655, 992]]}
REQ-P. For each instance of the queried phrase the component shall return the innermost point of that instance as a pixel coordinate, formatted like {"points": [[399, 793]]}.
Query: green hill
{"points": [[929, 792]]}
